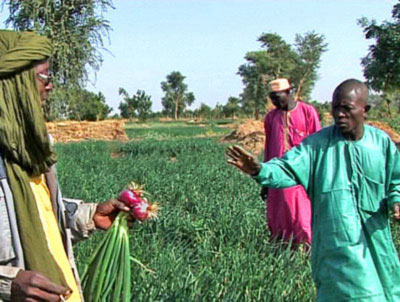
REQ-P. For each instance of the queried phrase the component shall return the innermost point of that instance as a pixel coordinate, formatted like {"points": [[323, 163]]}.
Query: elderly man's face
{"points": [[349, 112], [280, 99], [44, 80]]}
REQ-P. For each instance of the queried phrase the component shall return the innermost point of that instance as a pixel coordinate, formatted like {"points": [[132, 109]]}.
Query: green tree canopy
{"points": [[204, 111], [218, 111], [255, 91], [139, 105], [77, 104], [279, 59], [382, 63], [76, 28], [232, 107], [176, 97], [86, 105], [309, 49]]}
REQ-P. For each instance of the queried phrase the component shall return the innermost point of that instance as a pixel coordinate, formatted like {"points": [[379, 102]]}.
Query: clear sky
{"points": [[206, 40]]}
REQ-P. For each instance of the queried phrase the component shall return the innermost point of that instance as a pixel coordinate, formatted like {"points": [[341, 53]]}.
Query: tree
{"points": [[279, 59], [324, 111], [76, 28], [77, 104], [263, 66], [255, 92], [382, 63], [232, 107], [139, 105], [218, 111], [127, 106], [56, 106], [204, 111], [309, 49], [176, 96], [86, 105]]}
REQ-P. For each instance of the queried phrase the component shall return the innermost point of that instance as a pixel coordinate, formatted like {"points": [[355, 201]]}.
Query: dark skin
{"points": [[243, 160], [282, 100], [32, 286], [349, 109]]}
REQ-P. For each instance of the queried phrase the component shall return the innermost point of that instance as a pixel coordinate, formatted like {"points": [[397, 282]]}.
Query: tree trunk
{"points": [[176, 110], [388, 107], [384, 96], [299, 88], [178, 100], [398, 104], [256, 114]]}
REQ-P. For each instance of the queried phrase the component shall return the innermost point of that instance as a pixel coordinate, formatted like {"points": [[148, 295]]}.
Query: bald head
{"points": [[352, 88], [349, 108]]}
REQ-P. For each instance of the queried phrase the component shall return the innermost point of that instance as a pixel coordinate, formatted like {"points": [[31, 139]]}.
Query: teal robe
{"points": [[351, 185]]}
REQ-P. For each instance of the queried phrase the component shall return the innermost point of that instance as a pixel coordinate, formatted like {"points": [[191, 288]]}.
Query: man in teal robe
{"points": [[351, 172]]}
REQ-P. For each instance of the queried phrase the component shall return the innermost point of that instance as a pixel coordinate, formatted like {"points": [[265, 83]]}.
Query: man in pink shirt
{"points": [[288, 210]]}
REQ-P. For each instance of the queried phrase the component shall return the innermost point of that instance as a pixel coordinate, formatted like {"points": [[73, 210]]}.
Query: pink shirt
{"points": [[286, 129], [289, 210]]}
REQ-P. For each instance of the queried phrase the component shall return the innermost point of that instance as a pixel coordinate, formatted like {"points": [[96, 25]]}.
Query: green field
{"points": [[210, 242], [168, 130]]}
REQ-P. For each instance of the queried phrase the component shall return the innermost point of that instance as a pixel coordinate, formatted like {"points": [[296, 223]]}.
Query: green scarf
{"points": [[24, 141]]}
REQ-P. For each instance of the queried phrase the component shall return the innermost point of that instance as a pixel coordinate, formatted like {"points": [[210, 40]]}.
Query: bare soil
{"points": [[251, 135], [74, 131]]}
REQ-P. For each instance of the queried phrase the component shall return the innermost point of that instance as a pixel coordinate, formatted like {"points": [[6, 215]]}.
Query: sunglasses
{"points": [[46, 79]]}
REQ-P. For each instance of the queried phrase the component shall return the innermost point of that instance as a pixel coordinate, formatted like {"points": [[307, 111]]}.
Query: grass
{"points": [[210, 242], [164, 130]]}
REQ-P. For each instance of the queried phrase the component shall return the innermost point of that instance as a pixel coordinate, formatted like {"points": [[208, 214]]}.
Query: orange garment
{"points": [[52, 232]]}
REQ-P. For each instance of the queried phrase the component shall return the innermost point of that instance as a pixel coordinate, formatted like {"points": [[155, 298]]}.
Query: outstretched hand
{"points": [[243, 160]]}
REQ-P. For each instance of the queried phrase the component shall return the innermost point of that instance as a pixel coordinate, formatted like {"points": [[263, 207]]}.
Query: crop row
{"points": [[175, 130], [210, 242]]}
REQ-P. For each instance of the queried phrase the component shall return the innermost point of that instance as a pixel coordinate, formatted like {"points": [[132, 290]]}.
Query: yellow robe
{"points": [[53, 235]]}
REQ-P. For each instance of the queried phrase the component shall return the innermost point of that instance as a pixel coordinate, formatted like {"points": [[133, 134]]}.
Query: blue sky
{"points": [[206, 40]]}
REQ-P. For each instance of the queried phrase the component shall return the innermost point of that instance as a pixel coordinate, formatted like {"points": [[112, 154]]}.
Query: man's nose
{"points": [[340, 113]]}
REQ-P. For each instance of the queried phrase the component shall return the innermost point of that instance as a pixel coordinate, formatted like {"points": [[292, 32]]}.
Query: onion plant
{"points": [[107, 276]]}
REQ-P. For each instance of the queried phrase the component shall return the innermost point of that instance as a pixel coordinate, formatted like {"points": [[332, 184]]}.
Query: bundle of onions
{"points": [[107, 276]]}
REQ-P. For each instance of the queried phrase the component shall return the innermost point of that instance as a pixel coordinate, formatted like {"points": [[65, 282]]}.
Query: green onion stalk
{"points": [[107, 276]]}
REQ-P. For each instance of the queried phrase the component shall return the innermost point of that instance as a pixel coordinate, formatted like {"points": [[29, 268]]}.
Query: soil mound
{"points": [[74, 131], [250, 135], [385, 127]]}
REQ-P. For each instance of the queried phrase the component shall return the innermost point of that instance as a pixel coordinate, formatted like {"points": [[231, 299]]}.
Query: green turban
{"points": [[18, 50], [23, 134], [24, 142]]}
